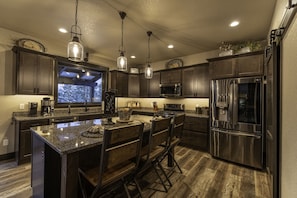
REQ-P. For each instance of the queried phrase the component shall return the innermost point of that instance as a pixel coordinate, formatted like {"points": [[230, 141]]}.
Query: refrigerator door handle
{"points": [[238, 133]]}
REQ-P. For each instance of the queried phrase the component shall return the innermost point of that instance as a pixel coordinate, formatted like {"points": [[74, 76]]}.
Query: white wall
{"points": [[289, 113], [288, 106]]}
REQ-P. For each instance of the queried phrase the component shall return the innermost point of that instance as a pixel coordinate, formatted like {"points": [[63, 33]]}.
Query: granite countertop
{"points": [[64, 114], [187, 112], [67, 137]]}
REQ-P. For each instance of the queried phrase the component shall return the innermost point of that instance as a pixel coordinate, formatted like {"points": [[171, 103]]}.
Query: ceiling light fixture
{"points": [[170, 46], [122, 60], [234, 24], [63, 30], [148, 71], [75, 50], [133, 57]]}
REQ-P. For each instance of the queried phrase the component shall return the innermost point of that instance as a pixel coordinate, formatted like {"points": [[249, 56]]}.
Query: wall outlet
{"points": [[22, 106], [5, 142]]}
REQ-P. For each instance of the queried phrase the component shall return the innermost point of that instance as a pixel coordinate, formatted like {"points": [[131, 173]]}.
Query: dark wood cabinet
{"points": [[250, 64], [149, 87], [196, 81], [23, 139], [143, 86], [196, 133], [222, 68], [171, 76], [154, 85], [119, 83], [133, 85], [34, 74]]}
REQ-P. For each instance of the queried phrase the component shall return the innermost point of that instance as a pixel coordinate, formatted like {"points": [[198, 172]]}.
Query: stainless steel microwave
{"points": [[171, 90]]}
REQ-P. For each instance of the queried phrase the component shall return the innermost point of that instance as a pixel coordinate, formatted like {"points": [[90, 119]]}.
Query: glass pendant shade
{"points": [[148, 72], [122, 62], [75, 50]]}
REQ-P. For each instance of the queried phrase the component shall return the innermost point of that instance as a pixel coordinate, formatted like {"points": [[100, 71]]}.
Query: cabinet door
{"points": [[27, 64], [154, 86], [171, 76], [189, 82], [202, 81], [35, 74], [119, 82], [133, 85], [143, 86], [44, 76], [25, 146], [222, 68], [250, 65]]}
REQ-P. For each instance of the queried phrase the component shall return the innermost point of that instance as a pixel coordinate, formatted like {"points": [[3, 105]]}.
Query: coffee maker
{"points": [[32, 107], [46, 106]]}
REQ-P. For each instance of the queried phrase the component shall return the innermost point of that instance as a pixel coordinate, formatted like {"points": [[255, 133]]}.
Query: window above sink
{"points": [[79, 84]]}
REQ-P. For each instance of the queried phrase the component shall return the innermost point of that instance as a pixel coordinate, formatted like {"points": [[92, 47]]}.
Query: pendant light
{"points": [[122, 60], [75, 50], [148, 71]]}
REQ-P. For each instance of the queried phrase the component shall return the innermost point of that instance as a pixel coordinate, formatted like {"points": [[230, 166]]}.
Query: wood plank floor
{"points": [[202, 177]]}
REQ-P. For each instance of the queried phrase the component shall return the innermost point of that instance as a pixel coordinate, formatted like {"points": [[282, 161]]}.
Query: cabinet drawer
{"points": [[32, 123], [196, 124], [195, 139]]}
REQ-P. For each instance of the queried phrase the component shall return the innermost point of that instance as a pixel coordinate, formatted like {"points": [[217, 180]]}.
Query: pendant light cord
{"points": [[149, 33], [122, 15]]}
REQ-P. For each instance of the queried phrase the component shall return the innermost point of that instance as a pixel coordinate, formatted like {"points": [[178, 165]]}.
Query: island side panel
{"points": [[37, 163]]}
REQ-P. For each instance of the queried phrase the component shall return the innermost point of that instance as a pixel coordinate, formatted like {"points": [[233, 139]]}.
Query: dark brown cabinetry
{"points": [[149, 87], [133, 85], [196, 133], [23, 139], [143, 86], [196, 81], [171, 76], [34, 74], [119, 83], [250, 64], [154, 85]]}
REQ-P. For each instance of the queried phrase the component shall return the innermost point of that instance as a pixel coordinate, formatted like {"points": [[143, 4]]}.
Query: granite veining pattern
{"points": [[67, 137]]}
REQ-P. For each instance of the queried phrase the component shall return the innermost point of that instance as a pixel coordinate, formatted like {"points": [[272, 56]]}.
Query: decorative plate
{"points": [[174, 63], [30, 44]]}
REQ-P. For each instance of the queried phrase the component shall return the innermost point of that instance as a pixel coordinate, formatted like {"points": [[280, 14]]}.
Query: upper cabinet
{"points": [[196, 81], [171, 76], [154, 85], [133, 85], [249, 64], [35, 73], [119, 83]]}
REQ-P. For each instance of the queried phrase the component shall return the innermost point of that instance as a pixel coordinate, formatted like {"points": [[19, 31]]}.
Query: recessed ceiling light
{"points": [[63, 30], [170, 46], [133, 56], [234, 24]]}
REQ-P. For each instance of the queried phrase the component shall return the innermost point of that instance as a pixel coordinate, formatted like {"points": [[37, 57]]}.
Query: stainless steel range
{"points": [[171, 110]]}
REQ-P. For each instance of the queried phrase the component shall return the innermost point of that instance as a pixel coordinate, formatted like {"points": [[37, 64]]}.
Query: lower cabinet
{"points": [[23, 139], [196, 133]]}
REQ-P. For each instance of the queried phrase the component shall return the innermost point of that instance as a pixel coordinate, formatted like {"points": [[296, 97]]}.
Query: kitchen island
{"points": [[59, 149]]}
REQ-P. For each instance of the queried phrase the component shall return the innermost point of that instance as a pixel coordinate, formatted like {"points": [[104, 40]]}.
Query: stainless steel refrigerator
{"points": [[237, 120]]}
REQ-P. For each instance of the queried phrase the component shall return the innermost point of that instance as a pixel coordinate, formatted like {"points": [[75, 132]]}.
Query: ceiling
{"points": [[192, 26]]}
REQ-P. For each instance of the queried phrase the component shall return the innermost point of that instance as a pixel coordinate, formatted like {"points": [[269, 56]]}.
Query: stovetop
{"points": [[174, 107]]}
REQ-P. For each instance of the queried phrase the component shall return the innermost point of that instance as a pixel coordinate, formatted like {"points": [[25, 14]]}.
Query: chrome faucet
{"points": [[86, 105]]}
